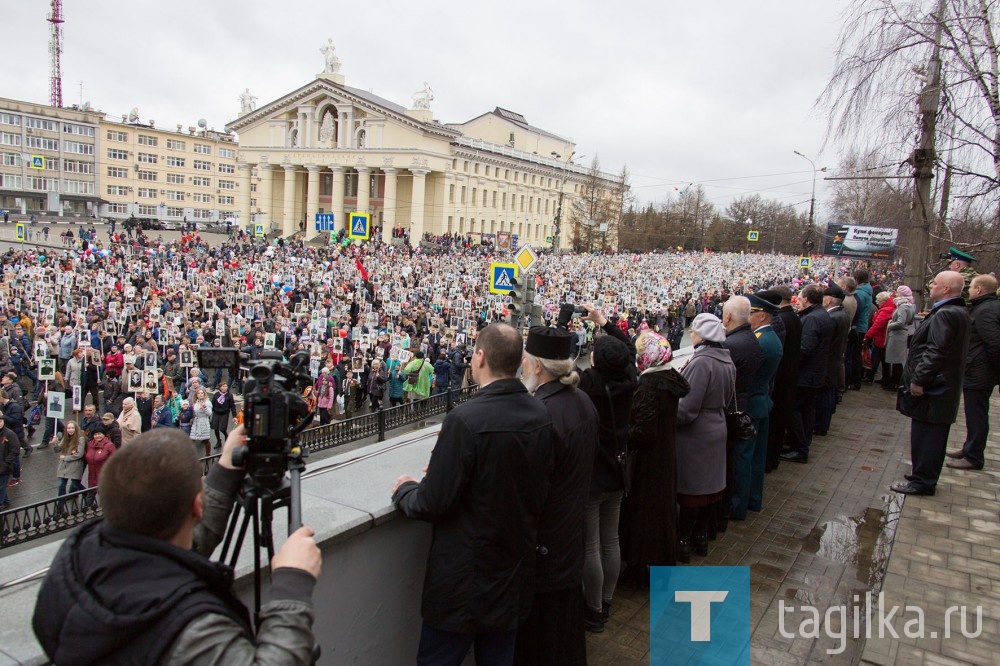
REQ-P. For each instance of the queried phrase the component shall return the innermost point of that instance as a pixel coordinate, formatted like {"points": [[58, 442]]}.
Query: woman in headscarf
{"points": [[899, 329], [648, 526], [702, 434]]}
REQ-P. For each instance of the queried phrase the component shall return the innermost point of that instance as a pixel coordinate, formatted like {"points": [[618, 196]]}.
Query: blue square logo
{"points": [[699, 615]]}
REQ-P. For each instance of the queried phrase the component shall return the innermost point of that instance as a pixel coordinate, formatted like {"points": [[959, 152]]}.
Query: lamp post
{"points": [[812, 199], [557, 223]]}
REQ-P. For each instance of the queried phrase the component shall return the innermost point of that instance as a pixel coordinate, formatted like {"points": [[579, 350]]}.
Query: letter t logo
{"points": [[701, 611]]}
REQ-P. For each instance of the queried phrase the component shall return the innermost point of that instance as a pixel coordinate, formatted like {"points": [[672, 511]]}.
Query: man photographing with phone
{"points": [[137, 587]]}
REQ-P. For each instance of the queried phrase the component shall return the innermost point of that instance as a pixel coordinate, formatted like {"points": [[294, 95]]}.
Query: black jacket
{"points": [[10, 449], [745, 352], [936, 362], [814, 348], [789, 330], [612, 396], [485, 486], [838, 345], [982, 367]]}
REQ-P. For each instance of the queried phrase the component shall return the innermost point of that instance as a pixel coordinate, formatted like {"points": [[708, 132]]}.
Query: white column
{"points": [[244, 199], [312, 200], [364, 187], [342, 129], [288, 213], [264, 195], [389, 203], [417, 205], [337, 205]]}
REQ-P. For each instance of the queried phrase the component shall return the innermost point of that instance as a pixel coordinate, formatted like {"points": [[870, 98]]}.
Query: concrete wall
{"points": [[368, 598]]}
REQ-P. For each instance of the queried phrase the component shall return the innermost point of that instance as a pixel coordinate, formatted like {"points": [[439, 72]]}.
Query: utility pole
{"points": [[922, 160]]}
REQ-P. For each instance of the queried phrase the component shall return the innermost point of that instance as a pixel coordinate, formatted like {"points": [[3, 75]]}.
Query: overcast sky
{"points": [[717, 93]]}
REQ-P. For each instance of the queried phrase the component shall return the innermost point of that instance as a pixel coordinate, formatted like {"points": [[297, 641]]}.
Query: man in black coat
{"points": [[932, 382], [982, 372], [788, 328], [814, 351], [826, 404], [746, 354], [484, 489]]}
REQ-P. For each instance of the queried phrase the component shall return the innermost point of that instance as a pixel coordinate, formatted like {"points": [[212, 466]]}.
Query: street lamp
{"points": [[812, 199], [557, 223]]}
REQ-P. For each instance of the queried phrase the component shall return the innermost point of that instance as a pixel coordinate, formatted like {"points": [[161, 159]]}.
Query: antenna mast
{"points": [[55, 51]]}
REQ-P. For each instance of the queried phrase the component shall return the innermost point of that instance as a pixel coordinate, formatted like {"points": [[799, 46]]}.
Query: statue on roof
{"points": [[248, 102], [330, 54], [422, 98]]}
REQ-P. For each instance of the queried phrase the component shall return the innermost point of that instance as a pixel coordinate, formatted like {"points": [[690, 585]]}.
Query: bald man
{"points": [[932, 380]]}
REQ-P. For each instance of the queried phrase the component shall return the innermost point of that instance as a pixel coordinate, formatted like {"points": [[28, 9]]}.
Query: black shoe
{"points": [[699, 544], [819, 433], [909, 477], [910, 489], [795, 457], [593, 620], [684, 551]]}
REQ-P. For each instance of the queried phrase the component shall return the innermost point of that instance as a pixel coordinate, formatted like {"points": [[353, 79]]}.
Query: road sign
{"points": [[805, 262], [21, 232], [37, 161], [548, 239], [360, 226], [324, 221], [525, 258], [258, 230], [753, 236], [502, 278]]}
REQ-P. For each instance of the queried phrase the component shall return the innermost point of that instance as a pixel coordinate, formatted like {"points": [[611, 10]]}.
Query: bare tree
{"points": [[869, 195]]}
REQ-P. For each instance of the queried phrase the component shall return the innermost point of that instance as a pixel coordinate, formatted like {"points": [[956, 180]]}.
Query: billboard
{"points": [[847, 240]]}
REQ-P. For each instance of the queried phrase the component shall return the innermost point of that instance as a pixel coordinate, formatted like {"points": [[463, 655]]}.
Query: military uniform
{"points": [[968, 272]]}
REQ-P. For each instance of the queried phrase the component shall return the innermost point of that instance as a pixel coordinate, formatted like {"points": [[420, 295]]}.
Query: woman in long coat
{"points": [[648, 523], [201, 424], [702, 433], [900, 328]]}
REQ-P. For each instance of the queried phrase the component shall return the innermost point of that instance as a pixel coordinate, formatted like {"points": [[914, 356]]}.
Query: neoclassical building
{"points": [[331, 148]]}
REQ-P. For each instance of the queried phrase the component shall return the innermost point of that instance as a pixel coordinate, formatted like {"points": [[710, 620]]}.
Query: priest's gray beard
{"points": [[530, 383]]}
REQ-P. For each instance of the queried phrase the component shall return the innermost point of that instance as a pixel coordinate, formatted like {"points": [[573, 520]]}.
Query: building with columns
{"points": [[331, 148]]}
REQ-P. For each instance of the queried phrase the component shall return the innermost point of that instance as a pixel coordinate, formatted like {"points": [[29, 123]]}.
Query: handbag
{"points": [[414, 377], [739, 424], [624, 458]]}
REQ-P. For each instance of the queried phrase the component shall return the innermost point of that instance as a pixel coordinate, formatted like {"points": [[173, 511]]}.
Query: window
{"points": [[10, 119], [253, 203], [175, 178], [201, 214], [11, 181], [175, 161], [147, 175], [79, 187], [80, 130], [451, 194], [78, 148], [147, 158], [117, 190], [146, 140], [147, 192], [227, 200], [227, 152], [38, 123], [147, 210], [118, 208], [174, 195], [494, 198], [10, 139], [120, 137], [74, 166], [227, 184], [174, 144], [253, 172], [12, 159], [117, 172], [115, 154], [41, 144], [202, 198], [326, 190], [201, 181], [202, 165], [42, 184], [202, 149], [484, 197], [175, 212], [227, 168], [462, 199]]}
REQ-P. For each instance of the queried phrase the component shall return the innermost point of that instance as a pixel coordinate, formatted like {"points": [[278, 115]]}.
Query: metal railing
{"points": [[40, 519]]}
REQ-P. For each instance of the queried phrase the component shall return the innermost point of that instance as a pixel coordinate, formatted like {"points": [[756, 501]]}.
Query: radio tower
{"points": [[55, 51]]}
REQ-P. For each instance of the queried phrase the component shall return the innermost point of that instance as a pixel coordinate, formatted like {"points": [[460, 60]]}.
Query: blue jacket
{"points": [[396, 378], [865, 303], [760, 403], [442, 372]]}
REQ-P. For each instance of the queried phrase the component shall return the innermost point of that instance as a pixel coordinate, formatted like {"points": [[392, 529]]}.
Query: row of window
{"points": [[152, 210], [172, 144], [479, 197], [171, 195], [495, 171]]}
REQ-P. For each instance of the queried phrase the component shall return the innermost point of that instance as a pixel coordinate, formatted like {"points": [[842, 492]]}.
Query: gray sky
{"points": [[718, 93]]}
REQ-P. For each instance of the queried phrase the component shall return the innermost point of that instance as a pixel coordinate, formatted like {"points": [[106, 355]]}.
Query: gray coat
{"points": [[897, 330], [701, 422], [72, 466]]}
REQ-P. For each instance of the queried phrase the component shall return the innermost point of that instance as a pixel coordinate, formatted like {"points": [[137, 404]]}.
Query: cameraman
{"points": [[137, 587]]}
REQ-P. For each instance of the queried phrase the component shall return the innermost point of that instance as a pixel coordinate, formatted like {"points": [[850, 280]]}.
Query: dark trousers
{"points": [[758, 461], [442, 648], [852, 359], [826, 405], [742, 472], [977, 424], [781, 416], [804, 419], [927, 448]]}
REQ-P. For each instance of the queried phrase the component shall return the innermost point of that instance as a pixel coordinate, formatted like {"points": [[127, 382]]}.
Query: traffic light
{"points": [[522, 301]]}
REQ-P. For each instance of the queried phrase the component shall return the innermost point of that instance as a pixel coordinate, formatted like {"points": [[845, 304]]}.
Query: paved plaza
{"points": [[831, 529]]}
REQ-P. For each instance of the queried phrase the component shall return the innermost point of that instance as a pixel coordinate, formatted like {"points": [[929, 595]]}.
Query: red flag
{"points": [[361, 268]]}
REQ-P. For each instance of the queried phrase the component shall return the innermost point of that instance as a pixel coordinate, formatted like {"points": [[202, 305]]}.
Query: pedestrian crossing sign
{"points": [[502, 278], [360, 227], [805, 262], [752, 236], [37, 161], [258, 230], [20, 231]]}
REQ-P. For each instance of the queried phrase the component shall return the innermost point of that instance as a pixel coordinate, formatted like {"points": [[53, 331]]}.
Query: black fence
{"points": [[40, 519]]}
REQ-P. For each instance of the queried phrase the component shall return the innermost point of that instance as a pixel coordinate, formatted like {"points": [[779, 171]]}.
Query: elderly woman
{"points": [[876, 335], [648, 526], [701, 434], [899, 329]]}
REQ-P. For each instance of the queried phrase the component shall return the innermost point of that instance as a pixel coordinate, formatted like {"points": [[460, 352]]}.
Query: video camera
{"points": [[274, 412], [568, 311]]}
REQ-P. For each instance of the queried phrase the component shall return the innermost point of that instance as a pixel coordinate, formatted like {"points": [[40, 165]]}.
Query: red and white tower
{"points": [[55, 52]]}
